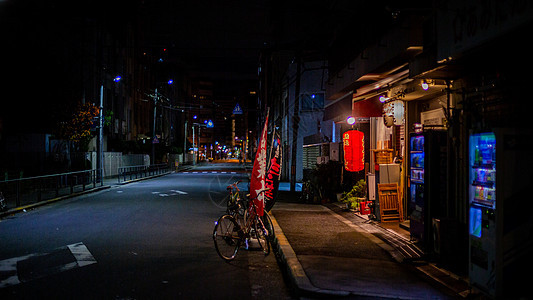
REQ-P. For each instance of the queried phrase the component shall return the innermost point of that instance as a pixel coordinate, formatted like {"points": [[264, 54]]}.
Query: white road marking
{"points": [[10, 266], [81, 254], [179, 192], [79, 251]]}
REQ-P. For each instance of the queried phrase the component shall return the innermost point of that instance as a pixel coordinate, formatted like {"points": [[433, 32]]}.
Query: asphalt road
{"points": [[150, 239]]}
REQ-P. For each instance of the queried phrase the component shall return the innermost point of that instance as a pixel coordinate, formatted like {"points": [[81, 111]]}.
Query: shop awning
{"points": [[340, 109], [367, 108]]}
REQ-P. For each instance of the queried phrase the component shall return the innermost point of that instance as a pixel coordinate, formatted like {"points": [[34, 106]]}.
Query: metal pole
{"points": [[193, 147], [185, 142], [153, 137], [199, 145], [295, 127], [100, 138]]}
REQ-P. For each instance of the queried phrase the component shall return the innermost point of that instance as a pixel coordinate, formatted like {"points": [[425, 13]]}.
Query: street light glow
{"points": [[117, 79]]}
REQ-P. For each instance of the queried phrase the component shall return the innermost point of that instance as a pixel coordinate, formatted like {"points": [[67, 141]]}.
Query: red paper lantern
{"points": [[354, 150]]}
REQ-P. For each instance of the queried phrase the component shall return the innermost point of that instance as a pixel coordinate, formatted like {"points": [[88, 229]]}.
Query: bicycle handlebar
{"points": [[259, 193], [233, 185]]}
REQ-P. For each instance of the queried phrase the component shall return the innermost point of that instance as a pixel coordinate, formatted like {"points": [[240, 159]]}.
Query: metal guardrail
{"points": [[26, 191], [136, 172]]}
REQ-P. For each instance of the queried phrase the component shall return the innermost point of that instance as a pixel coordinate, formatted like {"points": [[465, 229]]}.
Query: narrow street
{"points": [[148, 239]]}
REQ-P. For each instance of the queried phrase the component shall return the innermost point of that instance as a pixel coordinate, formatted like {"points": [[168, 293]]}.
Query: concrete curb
{"points": [[293, 266]]}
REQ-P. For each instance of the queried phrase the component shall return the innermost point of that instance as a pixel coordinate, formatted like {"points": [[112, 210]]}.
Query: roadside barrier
{"points": [[135, 172], [25, 191]]}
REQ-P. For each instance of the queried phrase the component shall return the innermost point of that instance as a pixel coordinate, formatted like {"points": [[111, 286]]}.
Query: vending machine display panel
{"points": [[483, 169], [475, 221]]}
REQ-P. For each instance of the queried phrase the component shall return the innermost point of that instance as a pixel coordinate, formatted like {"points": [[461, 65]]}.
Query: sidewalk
{"points": [[331, 252]]}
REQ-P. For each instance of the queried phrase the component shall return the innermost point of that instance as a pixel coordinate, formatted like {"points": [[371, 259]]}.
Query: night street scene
{"points": [[266, 149]]}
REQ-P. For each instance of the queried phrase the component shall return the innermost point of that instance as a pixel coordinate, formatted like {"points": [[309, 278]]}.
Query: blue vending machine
{"points": [[482, 219], [500, 218], [427, 185], [416, 199]]}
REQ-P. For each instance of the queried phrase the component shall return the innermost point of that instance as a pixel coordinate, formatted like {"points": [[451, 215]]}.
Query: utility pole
{"points": [[295, 127], [100, 138], [185, 142], [153, 136], [193, 146]]}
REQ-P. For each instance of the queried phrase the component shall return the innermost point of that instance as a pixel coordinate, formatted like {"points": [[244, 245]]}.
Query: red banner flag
{"points": [[257, 182], [273, 173]]}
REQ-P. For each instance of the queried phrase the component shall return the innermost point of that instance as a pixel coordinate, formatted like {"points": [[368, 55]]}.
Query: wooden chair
{"points": [[389, 202]]}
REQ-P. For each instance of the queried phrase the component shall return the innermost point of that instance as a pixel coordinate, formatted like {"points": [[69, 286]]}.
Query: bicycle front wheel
{"points": [[226, 237], [267, 222], [262, 235]]}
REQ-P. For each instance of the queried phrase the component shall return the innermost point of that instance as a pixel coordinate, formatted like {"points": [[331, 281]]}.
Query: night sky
{"points": [[43, 41]]}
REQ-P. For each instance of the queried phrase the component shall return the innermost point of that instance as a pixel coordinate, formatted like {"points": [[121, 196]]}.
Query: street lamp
{"points": [[100, 137], [207, 124]]}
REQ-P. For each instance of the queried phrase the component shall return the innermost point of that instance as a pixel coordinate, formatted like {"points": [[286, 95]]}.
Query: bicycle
{"points": [[310, 192], [235, 204], [229, 235]]}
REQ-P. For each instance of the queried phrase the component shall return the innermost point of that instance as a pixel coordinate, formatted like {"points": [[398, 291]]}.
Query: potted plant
{"points": [[355, 196]]}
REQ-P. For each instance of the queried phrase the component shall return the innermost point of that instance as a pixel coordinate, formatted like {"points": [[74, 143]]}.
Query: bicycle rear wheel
{"points": [[226, 237]]}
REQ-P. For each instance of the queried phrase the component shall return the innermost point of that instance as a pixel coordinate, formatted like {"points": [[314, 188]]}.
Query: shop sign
{"points": [[354, 150], [434, 117], [393, 113], [465, 25]]}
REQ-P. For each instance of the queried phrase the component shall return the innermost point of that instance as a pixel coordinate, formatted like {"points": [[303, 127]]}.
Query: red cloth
{"points": [[257, 182]]}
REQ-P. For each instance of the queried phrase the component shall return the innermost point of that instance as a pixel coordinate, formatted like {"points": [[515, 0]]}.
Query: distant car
{"points": [[210, 159]]}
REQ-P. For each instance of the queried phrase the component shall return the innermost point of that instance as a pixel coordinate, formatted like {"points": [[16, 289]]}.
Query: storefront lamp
{"points": [[425, 85], [350, 120], [383, 99]]}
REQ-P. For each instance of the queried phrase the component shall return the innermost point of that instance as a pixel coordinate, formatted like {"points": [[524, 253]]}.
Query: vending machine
{"points": [[500, 222], [427, 184], [416, 199]]}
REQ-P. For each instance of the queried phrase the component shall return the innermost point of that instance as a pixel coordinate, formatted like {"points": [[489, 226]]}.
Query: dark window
{"points": [[311, 102]]}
